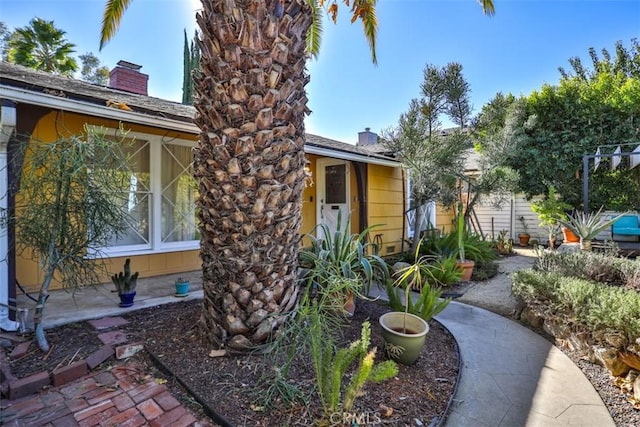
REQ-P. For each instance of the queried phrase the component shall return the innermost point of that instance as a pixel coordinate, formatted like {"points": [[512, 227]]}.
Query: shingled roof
{"points": [[39, 82]]}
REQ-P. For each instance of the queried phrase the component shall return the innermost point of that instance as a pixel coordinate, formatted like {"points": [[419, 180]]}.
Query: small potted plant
{"points": [[524, 236], [182, 287], [588, 225], [405, 328], [466, 265], [550, 210], [125, 283]]}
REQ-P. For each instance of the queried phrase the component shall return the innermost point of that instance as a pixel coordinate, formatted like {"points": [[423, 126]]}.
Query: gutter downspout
{"points": [[7, 128]]}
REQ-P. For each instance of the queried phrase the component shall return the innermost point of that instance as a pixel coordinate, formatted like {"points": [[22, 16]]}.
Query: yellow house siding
{"points": [[444, 218], [386, 206], [309, 200], [56, 124], [30, 276]]}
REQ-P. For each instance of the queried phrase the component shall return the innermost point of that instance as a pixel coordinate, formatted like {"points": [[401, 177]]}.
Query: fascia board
{"points": [[342, 155], [81, 107], [72, 105]]}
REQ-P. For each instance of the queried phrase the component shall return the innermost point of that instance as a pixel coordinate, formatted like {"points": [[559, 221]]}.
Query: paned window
{"points": [[160, 194]]}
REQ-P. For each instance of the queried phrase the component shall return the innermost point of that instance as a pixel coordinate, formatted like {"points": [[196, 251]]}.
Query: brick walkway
{"points": [[123, 396]]}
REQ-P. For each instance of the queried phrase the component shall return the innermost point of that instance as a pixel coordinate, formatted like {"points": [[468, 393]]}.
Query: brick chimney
{"points": [[127, 76], [367, 137]]}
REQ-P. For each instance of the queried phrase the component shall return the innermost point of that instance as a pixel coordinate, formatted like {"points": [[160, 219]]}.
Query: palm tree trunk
{"points": [[250, 164]]}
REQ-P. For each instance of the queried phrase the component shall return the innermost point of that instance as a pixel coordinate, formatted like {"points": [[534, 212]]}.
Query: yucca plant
{"points": [[588, 225]]}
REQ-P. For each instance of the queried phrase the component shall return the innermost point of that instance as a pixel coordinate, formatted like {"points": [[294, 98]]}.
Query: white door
{"points": [[332, 192]]}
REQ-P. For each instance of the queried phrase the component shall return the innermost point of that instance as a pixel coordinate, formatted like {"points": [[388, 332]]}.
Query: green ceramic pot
{"points": [[403, 345]]}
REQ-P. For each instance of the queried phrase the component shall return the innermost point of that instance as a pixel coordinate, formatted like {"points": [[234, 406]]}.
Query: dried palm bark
{"points": [[250, 163]]}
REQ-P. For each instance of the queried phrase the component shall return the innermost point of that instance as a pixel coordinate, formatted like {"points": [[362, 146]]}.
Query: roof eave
{"points": [[346, 155], [88, 108], [83, 107]]}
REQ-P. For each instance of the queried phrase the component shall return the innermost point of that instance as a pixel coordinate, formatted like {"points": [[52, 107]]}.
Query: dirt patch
{"points": [[232, 385]]}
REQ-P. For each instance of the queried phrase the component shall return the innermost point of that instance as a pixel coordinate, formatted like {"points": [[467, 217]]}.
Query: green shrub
{"points": [[534, 286], [479, 249], [592, 305], [444, 271], [418, 275], [598, 267], [631, 274], [615, 308], [484, 270], [446, 246], [575, 296]]}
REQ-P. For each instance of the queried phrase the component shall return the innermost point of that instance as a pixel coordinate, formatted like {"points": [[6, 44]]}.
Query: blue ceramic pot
{"points": [[182, 289], [126, 300]]}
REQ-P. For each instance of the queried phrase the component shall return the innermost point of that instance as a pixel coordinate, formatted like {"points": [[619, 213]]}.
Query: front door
{"points": [[332, 193]]}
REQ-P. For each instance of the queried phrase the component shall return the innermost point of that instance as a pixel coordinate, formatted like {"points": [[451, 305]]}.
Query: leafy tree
{"points": [[191, 64], [42, 46], [92, 71], [495, 141], [250, 161], [434, 160], [458, 105], [547, 133], [71, 204], [493, 116], [4, 39], [626, 62]]}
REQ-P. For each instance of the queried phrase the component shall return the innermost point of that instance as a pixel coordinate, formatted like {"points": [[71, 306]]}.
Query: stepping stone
{"points": [[108, 322], [113, 338]]}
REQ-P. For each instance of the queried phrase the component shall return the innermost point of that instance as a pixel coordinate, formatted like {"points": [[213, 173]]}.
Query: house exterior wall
{"points": [[56, 124], [444, 218], [385, 206], [384, 203], [309, 200]]}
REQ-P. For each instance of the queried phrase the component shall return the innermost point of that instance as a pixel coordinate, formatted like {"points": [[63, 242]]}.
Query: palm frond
{"points": [[314, 35], [365, 10], [487, 7], [113, 12]]}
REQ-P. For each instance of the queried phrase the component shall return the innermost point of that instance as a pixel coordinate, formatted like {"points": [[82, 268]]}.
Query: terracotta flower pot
{"points": [[467, 269], [569, 236]]}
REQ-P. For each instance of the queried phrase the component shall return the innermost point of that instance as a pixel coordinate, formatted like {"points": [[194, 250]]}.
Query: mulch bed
{"points": [[232, 385]]}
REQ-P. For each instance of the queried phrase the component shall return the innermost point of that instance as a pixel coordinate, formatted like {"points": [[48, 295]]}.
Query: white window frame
{"points": [[155, 245]]}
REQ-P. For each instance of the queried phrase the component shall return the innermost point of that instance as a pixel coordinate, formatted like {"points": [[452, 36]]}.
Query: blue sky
{"points": [[517, 51]]}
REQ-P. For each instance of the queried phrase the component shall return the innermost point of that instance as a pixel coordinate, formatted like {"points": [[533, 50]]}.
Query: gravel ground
{"points": [[620, 409]]}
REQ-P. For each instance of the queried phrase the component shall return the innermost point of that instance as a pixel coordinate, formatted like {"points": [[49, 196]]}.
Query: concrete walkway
{"points": [[510, 375]]}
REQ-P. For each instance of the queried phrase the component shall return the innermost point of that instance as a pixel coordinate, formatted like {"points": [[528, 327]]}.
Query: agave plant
{"points": [[587, 225], [342, 253]]}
